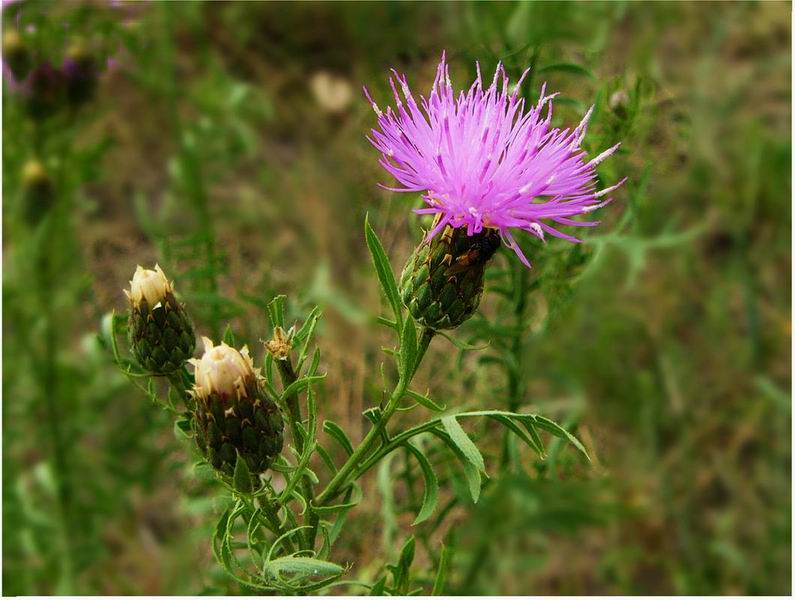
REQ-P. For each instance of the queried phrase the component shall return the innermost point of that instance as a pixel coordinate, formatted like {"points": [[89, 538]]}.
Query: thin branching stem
{"points": [[288, 377], [340, 480]]}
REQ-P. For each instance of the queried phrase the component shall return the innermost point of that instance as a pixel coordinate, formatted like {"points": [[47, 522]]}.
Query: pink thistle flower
{"points": [[484, 159]]}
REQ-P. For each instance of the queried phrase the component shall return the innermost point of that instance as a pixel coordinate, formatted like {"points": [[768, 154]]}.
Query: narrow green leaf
{"points": [[556, 430], [430, 496], [308, 328], [229, 337], [303, 566], [388, 322], [471, 472], [299, 384], [182, 429], [330, 510], [528, 425], [403, 570], [408, 349], [335, 431], [305, 334], [425, 401], [462, 345], [299, 472], [473, 480], [315, 362], [276, 311], [461, 439], [441, 573], [378, 587], [242, 476], [373, 414], [529, 440], [352, 497], [326, 458], [384, 270]]}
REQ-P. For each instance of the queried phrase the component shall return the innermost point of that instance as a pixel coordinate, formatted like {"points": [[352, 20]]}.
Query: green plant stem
{"points": [[516, 350], [180, 381], [340, 480], [193, 172], [289, 376], [49, 389], [273, 518]]}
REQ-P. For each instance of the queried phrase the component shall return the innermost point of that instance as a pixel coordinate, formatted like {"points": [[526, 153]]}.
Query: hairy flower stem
{"points": [[46, 283], [340, 480], [182, 381], [515, 391], [288, 376]]}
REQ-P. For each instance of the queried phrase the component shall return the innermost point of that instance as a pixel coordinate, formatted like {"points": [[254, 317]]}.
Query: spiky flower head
{"points": [[442, 281], [486, 160], [159, 328], [233, 415]]}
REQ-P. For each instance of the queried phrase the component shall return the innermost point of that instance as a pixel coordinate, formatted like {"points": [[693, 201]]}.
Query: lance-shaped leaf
{"points": [[465, 445], [335, 431], [384, 271], [430, 496], [302, 566]]}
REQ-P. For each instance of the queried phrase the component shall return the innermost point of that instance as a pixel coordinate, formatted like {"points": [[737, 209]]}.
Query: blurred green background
{"points": [[226, 141]]}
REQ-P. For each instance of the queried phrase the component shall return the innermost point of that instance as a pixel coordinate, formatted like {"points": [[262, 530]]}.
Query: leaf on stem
{"points": [[229, 337], [335, 431], [276, 311], [300, 384], [430, 496], [441, 573], [302, 566], [242, 476], [425, 401], [465, 445], [384, 271], [558, 431]]}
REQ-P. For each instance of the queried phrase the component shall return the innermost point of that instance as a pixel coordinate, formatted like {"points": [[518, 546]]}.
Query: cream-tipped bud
{"points": [[223, 370], [39, 191], [16, 54], [160, 330], [234, 417], [150, 285]]}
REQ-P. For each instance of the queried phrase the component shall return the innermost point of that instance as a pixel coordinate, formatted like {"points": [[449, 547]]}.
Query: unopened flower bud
{"points": [[233, 415], [16, 54], [44, 91], [80, 73], [618, 103], [38, 189], [442, 281], [160, 331], [224, 370]]}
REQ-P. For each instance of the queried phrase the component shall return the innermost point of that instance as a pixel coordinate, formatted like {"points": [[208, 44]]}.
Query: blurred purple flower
{"points": [[485, 160], [14, 86]]}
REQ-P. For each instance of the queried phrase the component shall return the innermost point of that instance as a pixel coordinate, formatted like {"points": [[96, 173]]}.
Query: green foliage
{"points": [[658, 350]]}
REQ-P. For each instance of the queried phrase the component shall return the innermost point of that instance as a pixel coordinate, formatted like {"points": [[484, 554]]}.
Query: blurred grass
{"points": [[665, 339]]}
